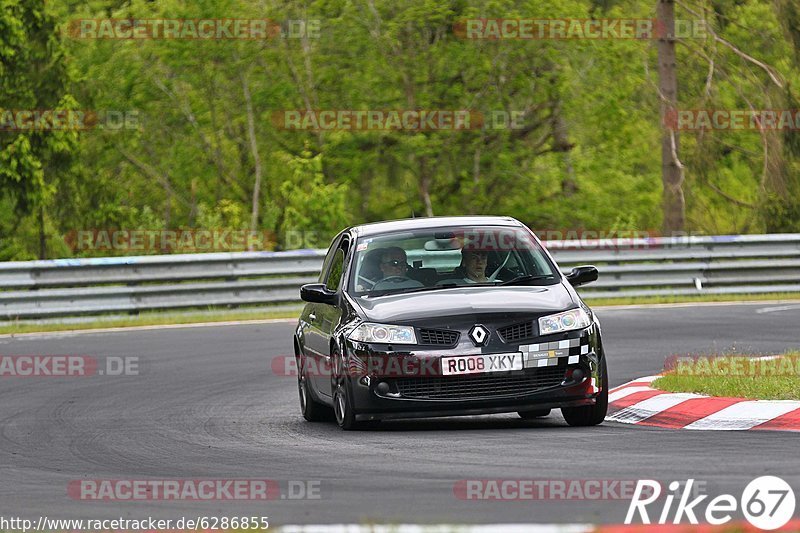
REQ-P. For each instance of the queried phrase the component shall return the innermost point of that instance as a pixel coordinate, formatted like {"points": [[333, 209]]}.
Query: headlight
{"points": [[566, 321], [383, 333]]}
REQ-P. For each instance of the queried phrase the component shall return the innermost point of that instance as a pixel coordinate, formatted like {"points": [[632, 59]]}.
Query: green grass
{"points": [[737, 377], [146, 319], [221, 315]]}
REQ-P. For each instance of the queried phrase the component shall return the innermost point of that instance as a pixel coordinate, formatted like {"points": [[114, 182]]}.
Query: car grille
{"points": [[481, 386], [516, 332], [441, 337]]}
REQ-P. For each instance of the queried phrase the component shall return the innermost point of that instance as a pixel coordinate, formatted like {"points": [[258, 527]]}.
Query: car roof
{"points": [[389, 226]]}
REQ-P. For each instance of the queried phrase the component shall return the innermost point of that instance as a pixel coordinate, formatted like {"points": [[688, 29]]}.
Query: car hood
{"points": [[460, 301]]}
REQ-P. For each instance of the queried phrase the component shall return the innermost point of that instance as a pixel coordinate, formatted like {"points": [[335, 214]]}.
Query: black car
{"points": [[447, 316]]}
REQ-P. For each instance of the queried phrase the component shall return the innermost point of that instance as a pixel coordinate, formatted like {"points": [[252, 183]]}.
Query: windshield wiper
{"points": [[414, 289], [442, 286], [526, 278]]}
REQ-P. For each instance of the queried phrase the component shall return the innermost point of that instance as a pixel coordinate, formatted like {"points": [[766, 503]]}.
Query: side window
{"points": [[334, 278], [335, 274], [328, 259]]}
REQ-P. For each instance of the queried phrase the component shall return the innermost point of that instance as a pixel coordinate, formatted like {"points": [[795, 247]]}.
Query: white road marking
{"points": [[652, 406], [635, 382], [777, 309], [622, 393], [745, 415]]}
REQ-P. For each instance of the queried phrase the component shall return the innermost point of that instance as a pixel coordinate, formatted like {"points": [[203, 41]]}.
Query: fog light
{"points": [[382, 388], [577, 374]]}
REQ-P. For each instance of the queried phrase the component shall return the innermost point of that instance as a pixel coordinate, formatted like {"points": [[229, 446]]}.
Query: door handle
{"points": [[312, 317]]}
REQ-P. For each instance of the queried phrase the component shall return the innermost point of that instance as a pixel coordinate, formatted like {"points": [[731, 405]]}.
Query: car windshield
{"points": [[440, 258]]}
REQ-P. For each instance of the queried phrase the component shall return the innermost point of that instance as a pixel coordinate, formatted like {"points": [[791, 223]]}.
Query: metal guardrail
{"points": [[738, 264]]}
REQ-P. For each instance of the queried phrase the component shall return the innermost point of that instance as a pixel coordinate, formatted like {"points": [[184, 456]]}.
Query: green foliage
{"points": [[314, 211], [226, 214], [782, 214], [34, 75], [587, 155]]}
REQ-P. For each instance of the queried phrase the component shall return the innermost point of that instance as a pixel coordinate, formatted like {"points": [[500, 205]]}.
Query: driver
{"points": [[394, 269], [393, 262]]}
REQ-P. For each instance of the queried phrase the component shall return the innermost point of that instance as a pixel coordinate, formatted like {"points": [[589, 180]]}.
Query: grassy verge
{"points": [[737, 377], [146, 319], [162, 318]]}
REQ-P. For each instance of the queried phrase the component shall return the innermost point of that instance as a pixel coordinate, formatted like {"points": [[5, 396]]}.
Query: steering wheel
{"points": [[371, 283], [494, 275], [393, 279]]}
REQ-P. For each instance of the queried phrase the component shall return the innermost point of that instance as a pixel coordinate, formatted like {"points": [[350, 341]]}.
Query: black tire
{"points": [[590, 415], [343, 408], [528, 415], [312, 410]]}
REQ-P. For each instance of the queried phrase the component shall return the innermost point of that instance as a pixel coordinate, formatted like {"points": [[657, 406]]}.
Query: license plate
{"points": [[478, 364]]}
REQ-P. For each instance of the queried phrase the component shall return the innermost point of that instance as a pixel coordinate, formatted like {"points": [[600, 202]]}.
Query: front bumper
{"points": [[548, 380]]}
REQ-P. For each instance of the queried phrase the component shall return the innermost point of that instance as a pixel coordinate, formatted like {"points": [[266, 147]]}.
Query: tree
{"points": [[33, 77], [671, 166]]}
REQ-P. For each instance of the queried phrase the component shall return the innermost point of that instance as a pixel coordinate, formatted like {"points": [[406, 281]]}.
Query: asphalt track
{"points": [[206, 404]]}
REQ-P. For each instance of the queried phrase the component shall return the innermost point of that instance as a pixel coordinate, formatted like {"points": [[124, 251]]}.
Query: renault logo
{"points": [[479, 335]]}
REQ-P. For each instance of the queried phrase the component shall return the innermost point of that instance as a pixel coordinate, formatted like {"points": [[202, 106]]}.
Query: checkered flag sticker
{"points": [[548, 353]]}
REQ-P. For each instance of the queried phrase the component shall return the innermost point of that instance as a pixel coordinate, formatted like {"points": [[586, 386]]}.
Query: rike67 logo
{"points": [[767, 502]]}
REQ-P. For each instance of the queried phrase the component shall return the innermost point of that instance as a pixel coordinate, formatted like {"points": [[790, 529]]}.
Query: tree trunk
{"points": [[42, 236], [569, 185], [673, 203], [217, 147], [193, 199], [251, 135], [425, 186]]}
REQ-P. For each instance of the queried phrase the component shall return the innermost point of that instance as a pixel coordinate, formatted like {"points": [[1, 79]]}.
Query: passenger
{"points": [[474, 264], [471, 270]]}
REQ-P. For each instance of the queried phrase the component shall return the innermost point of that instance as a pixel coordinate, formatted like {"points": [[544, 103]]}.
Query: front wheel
{"points": [[310, 408], [590, 415], [343, 406]]}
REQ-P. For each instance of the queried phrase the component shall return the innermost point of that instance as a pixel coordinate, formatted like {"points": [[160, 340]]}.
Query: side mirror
{"points": [[582, 275], [317, 293]]}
